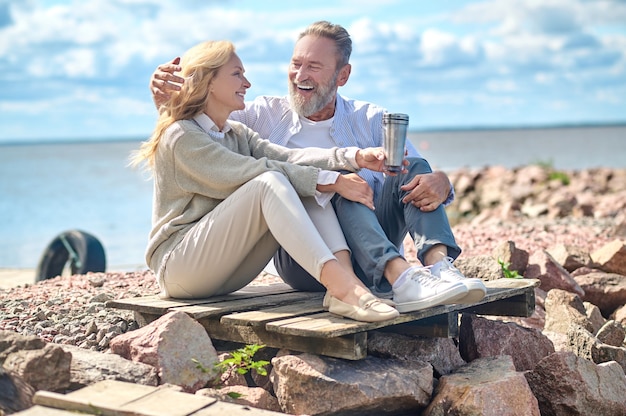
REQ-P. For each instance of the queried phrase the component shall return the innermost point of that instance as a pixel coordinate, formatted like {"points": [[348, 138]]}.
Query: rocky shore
{"points": [[551, 219]]}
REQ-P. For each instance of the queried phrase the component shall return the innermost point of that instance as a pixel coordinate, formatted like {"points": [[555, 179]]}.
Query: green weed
{"points": [[508, 273]]}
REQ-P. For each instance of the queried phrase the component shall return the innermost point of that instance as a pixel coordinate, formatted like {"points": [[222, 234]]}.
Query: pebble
{"points": [[72, 309]]}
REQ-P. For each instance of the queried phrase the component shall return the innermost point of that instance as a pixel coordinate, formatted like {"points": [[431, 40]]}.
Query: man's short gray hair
{"points": [[337, 34]]}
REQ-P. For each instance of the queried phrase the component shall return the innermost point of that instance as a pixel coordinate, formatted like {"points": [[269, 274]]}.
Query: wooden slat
{"points": [[351, 347], [158, 306], [442, 326], [44, 411], [262, 316], [117, 398], [167, 402], [251, 303], [278, 316], [521, 305], [104, 396], [229, 409]]}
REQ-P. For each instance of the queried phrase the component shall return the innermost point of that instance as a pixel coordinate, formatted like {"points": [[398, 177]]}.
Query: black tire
{"points": [[87, 255]]}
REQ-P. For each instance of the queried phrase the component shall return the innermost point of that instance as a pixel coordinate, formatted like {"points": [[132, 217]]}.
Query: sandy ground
{"points": [[16, 277], [10, 278]]}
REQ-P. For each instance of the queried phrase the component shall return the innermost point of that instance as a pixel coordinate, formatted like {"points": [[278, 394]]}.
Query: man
{"points": [[314, 114]]}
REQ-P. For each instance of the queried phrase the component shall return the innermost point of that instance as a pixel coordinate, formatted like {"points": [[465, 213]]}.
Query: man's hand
{"points": [[352, 187], [427, 191], [163, 82]]}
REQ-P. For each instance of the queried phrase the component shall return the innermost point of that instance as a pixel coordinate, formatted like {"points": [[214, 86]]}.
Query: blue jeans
{"points": [[375, 237]]}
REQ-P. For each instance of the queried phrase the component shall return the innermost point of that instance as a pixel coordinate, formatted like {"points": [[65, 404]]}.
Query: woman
{"points": [[225, 199]]}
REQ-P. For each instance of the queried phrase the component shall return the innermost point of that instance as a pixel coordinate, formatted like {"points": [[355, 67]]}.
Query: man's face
{"points": [[313, 75]]}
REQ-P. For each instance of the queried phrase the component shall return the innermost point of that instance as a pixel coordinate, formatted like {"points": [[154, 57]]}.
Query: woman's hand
{"points": [[373, 158], [352, 187], [163, 82]]}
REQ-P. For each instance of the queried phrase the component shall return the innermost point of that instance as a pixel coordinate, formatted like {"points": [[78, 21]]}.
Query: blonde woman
{"points": [[225, 199]]}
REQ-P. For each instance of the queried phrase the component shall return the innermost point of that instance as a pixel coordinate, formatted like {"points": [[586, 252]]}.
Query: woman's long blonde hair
{"points": [[199, 67]]}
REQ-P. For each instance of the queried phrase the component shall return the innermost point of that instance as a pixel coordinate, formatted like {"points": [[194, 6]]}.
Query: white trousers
{"points": [[231, 245]]}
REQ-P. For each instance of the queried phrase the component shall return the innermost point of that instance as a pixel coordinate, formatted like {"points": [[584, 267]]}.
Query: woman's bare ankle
{"points": [[341, 284]]}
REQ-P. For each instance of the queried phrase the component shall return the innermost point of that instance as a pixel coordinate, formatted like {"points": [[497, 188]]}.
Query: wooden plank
{"points": [[328, 325], [104, 396], [156, 305], [158, 401], [351, 347], [262, 316], [224, 408], [521, 305], [167, 402], [439, 326], [251, 303], [44, 411]]}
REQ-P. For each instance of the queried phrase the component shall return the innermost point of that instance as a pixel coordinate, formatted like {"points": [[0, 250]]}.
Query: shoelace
{"points": [[448, 267], [447, 264], [425, 278]]}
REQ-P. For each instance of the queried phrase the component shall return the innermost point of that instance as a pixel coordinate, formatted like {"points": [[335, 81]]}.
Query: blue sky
{"points": [[80, 69]]}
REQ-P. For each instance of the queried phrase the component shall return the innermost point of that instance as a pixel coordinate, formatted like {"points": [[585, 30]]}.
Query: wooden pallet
{"points": [[118, 398], [278, 316]]}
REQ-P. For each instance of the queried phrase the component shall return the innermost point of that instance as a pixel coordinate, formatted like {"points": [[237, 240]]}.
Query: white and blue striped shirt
{"points": [[355, 123]]}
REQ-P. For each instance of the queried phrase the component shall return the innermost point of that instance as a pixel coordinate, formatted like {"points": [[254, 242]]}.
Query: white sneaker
{"points": [[476, 289], [423, 290]]}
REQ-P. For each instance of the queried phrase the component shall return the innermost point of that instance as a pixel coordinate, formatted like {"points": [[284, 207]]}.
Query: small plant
{"points": [[240, 361], [552, 173], [560, 176], [545, 164], [508, 273]]}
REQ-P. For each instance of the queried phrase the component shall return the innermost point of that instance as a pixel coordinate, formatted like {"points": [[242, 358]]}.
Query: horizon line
{"points": [[56, 140]]}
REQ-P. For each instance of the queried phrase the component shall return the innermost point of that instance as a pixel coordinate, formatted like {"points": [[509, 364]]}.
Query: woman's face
{"points": [[228, 89]]}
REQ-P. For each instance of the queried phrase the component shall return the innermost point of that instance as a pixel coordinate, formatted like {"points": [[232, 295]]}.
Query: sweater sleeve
{"points": [[335, 158], [205, 166]]}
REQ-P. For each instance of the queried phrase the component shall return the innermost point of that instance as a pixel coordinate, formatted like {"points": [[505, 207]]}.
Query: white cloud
{"points": [[508, 53]]}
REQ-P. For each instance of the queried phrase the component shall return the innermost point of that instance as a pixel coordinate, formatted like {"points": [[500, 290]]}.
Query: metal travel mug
{"points": [[394, 139]]}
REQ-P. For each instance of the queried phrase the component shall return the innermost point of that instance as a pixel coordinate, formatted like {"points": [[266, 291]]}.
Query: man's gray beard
{"points": [[320, 99]]}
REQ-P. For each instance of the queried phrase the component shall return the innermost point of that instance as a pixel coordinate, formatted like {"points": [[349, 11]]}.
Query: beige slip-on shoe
{"points": [[369, 309]]}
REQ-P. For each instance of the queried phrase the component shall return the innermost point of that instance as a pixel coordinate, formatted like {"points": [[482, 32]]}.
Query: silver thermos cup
{"points": [[394, 139]]}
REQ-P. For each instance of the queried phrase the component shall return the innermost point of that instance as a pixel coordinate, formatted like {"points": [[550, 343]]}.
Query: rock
{"points": [[620, 315], [594, 315], [171, 344], [611, 257], [612, 333], [309, 384], [552, 275], [585, 345], [559, 340], [89, 367], [569, 256], [563, 309], [481, 337], [11, 341], [481, 267], [441, 353], [487, 386], [605, 290], [44, 369], [567, 385], [247, 396], [516, 258], [15, 393]]}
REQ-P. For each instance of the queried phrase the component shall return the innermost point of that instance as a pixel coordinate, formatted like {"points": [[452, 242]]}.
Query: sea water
{"points": [[46, 189]]}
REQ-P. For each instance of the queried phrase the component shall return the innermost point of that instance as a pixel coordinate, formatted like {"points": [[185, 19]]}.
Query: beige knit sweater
{"points": [[194, 172]]}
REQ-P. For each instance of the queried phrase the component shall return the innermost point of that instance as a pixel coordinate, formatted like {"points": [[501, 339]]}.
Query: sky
{"points": [[74, 70]]}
